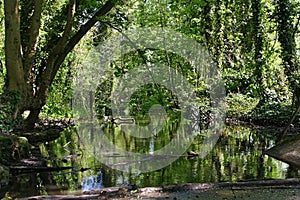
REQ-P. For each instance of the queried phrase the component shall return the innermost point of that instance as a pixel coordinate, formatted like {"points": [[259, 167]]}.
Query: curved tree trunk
{"points": [[21, 41]]}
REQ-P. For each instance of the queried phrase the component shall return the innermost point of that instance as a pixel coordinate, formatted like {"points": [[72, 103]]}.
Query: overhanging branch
{"points": [[81, 32], [30, 49], [56, 58], [59, 47]]}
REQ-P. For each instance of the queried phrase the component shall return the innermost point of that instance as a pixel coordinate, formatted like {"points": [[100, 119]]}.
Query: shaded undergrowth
{"points": [[269, 113]]}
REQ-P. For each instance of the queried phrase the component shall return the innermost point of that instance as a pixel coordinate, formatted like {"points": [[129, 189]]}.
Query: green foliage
{"points": [[103, 99], [8, 102], [239, 105], [287, 18], [273, 113], [149, 95], [59, 101], [241, 37], [252, 109]]}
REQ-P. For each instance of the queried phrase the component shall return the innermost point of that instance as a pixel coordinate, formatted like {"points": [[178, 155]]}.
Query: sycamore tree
{"points": [[39, 34]]}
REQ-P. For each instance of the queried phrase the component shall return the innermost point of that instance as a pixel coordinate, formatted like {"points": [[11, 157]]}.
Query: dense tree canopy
{"points": [[38, 37], [253, 42]]}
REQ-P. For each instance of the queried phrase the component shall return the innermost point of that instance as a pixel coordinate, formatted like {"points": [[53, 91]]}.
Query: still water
{"points": [[236, 156]]}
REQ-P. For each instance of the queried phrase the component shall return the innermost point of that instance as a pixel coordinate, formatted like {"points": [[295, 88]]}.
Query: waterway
{"points": [[236, 156]]}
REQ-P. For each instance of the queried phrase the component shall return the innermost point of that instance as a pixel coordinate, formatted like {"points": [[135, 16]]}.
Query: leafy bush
{"points": [[240, 105], [273, 113]]}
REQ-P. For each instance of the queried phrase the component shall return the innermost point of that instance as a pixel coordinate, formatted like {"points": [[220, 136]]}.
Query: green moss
{"points": [[13, 148], [4, 174], [8, 102]]}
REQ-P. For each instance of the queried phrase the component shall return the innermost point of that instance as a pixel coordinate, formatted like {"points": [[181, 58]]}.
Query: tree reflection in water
{"points": [[237, 156]]}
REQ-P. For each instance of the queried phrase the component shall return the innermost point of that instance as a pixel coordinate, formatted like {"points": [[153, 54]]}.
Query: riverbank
{"points": [[262, 189]]}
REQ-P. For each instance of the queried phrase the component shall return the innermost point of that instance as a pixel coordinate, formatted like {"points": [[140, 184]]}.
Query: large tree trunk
{"points": [[19, 56], [13, 48], [20, 52], [16, 84]]}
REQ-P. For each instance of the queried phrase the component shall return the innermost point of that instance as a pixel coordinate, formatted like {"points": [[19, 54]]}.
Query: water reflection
{"points": [[236, 156], [150, 148]]}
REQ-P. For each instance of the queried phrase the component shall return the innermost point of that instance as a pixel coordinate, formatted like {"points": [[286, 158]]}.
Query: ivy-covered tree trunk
{"points": [[258, 47], [28, 75], [286, 37]]}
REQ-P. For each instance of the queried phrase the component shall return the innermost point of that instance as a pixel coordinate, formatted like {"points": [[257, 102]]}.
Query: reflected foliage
{"points": [[237, 156]]}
